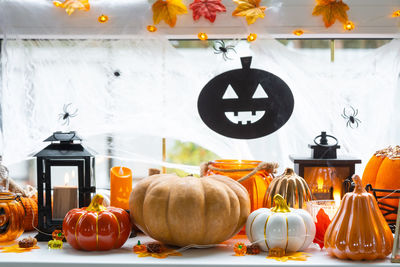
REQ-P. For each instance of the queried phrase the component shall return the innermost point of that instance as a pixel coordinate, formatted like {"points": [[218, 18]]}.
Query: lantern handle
{"points": [[61, 134], [324, 141]]}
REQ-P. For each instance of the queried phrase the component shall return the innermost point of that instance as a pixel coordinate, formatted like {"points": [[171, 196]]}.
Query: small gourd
{"points": [[358, 231], [280, 227], [292, 187]]}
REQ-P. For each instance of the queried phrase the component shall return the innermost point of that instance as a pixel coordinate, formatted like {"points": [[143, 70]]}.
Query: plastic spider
{"points": [[221, 48], [352, 121], [67, 114]]}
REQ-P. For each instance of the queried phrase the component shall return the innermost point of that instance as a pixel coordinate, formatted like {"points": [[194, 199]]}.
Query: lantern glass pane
{"points": [[64, 180], [326, 182]]}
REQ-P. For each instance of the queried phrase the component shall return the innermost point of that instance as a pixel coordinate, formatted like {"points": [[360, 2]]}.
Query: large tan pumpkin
{"points": [[187, 210]]}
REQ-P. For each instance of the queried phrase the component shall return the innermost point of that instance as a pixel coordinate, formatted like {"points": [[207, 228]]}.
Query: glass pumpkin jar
{"points": [[236, 169], [11, 217]]}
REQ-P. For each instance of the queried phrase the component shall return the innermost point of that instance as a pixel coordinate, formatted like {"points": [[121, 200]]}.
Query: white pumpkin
{"points": [[281, 227]]}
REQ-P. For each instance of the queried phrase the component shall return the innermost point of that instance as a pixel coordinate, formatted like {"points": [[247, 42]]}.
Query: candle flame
{"points": [[73, 174], [336, 197], [121, 171], [320, 183], [66, 179]]}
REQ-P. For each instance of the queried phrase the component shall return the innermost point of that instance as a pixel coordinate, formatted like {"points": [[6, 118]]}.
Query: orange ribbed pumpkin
{"points": [[382, 172], [31, 212], [371, 170], [358, 231], [388, 178], [97, 228]]}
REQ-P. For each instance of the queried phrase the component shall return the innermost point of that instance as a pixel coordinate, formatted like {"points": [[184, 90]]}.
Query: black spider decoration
{"points": [[67, 114], [221, 48], [352, 121]]}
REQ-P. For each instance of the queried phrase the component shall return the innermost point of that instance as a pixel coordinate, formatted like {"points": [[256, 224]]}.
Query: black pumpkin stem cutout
{"points": [[245, 103]]}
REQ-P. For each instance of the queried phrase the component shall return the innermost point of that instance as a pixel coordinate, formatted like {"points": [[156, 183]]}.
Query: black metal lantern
{"points": [[327, 175], [64, 158]]}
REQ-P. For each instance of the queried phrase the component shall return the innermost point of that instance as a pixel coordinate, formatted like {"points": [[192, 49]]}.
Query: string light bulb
{"points": [[348, 26], [202, 36], [151, 28], [251, 37], [396, 14], [103, 18], [298, 32]]}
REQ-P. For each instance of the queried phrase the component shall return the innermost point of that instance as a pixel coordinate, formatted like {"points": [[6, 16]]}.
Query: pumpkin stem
{"points": [[97, 204], [358, 185], [280, 204], [289, 171]]}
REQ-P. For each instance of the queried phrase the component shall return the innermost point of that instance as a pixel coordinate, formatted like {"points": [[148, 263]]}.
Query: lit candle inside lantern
{"points": [[65, 198], [121, 187], [336, 198], [320, 184]]}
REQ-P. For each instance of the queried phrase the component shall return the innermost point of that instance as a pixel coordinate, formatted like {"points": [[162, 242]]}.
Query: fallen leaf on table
{"points": [[16, 249], [250, 9], [206, 8], [293, 256], [162, 255], [168, 10], [321, 225], [330, 11]]}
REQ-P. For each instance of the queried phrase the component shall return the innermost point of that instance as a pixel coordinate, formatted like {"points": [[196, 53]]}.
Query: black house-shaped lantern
{"points": [[65, 159]]}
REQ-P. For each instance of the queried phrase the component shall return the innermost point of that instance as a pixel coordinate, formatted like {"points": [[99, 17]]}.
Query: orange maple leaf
{"points": [[331, 10], [250, 9], [71, 5], [168, 10]]}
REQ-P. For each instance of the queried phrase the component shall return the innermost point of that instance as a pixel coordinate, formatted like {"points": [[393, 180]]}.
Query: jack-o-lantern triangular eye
{"points": [[230, 93], [260, 92]]}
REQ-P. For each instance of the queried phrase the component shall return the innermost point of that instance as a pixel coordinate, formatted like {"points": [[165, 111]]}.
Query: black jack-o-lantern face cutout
{"points": [[4, 222], [245, 103]]}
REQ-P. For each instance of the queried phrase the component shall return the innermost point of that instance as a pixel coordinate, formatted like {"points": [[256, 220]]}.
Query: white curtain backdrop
{"points": [[156, 95]]}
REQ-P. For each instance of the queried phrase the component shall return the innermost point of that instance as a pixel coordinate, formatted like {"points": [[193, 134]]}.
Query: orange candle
{"points": [[121, 187]]}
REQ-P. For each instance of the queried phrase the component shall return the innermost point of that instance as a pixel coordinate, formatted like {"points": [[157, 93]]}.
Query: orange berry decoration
{"points": [[139, 248], [58, 235], [240, 249]]}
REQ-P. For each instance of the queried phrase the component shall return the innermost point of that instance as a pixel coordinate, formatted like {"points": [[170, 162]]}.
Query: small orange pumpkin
{"points": [[358, 231], [97, 227], [31, 212]]}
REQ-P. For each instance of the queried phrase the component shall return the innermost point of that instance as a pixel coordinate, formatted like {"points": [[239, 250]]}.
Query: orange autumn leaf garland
{"points": [[331, 10], [168, 10], [250, 9], [71, 5]]}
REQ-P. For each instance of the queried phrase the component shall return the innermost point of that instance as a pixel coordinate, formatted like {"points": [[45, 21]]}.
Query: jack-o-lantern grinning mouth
{"points": [[245, 117]]}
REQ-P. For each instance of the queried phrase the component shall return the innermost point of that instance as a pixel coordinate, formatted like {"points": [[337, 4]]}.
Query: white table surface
{"points": [[219, 256]]}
